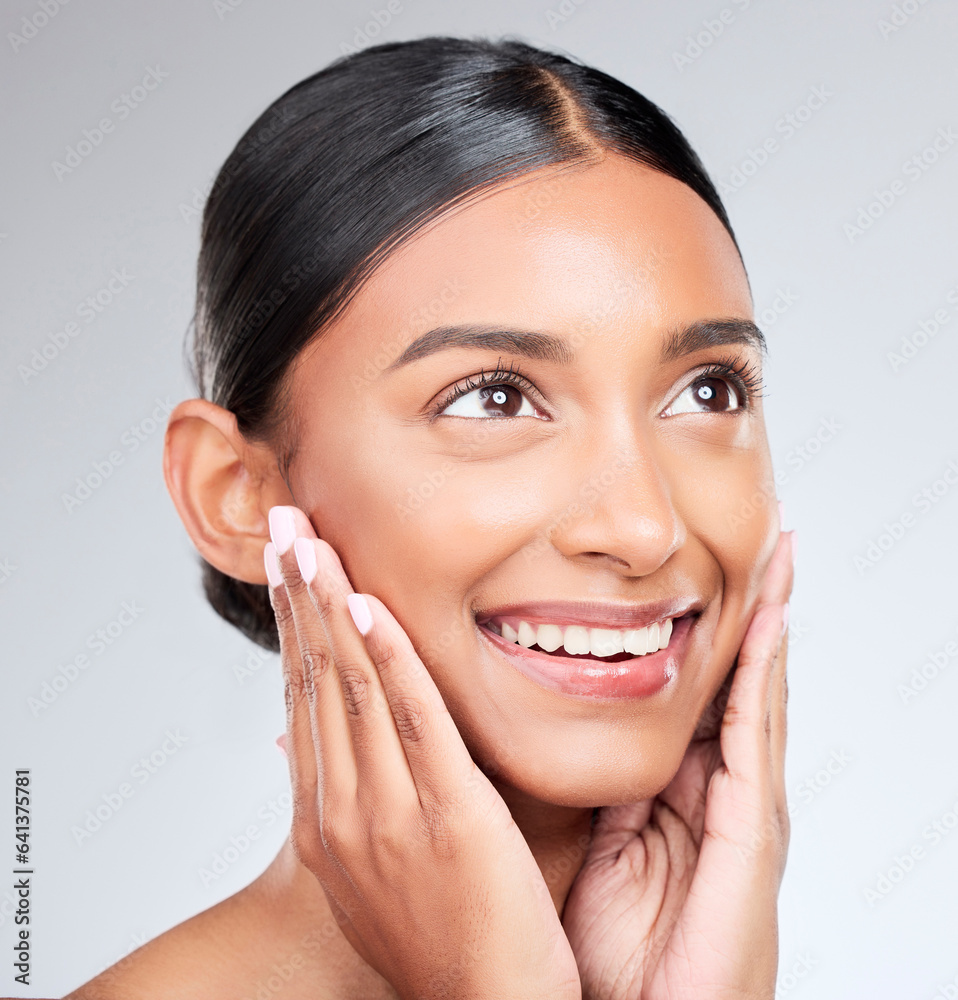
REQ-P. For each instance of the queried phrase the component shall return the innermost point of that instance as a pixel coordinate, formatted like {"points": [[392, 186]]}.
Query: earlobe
{"points": [[222, 486]]}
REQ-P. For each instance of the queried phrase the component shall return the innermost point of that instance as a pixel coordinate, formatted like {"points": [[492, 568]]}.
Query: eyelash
{"points": [[744, 376], [498, 376]]}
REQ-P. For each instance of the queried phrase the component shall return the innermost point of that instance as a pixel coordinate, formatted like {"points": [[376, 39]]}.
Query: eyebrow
{"points": [[545, 347]]}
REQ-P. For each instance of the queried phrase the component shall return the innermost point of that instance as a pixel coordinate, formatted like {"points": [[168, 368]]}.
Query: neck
{"points": [[558, 837]]}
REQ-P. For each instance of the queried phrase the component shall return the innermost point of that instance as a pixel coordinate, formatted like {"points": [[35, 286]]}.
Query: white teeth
{"points": [[549, 638], [637, 641], [653, 636], [605, 641], [577, 639], [527, 634]]}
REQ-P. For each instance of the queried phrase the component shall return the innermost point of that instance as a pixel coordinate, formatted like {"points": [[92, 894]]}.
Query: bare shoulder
{"points": [[262, 939], [213, 954]]}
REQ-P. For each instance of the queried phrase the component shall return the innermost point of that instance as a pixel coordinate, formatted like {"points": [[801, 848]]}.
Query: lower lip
{"points": [[588, 677]]}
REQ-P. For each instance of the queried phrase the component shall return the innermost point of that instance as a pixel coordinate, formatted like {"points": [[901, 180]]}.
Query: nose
{"points": [[619, 510]]}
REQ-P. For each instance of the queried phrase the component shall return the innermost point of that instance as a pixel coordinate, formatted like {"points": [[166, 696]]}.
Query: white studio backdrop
{"points": [[831, 130]]}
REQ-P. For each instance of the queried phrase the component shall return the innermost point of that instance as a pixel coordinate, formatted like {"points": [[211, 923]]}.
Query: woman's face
{"points": [[618, 482]]}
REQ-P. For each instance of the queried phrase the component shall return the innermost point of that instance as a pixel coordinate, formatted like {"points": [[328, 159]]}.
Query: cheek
{"points": [[733, 513], [418, 532]]}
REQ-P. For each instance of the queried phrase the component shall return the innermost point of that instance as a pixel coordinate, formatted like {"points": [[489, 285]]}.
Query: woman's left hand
{"points": [[678, 895]]}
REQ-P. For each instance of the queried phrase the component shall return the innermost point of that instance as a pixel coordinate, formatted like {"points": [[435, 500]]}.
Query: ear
{"points": [[223, 486]]}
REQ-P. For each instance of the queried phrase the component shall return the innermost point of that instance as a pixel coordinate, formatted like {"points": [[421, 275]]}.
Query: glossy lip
{"points": [[592, 678]]}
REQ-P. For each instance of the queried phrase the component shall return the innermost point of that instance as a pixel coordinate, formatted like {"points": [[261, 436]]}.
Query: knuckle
{"points": [[411, 720], [386, 655], [315, 660], [293, 683], [356, 689]]}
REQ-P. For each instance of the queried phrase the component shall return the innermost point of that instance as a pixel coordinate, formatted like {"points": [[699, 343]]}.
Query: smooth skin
{"points": [[437, 515]]}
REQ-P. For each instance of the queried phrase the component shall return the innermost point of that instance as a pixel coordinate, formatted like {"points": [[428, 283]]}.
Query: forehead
{"points": [[555, 249]]}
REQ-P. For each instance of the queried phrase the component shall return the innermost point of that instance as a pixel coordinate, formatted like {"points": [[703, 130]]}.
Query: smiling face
{"points": [[610, 473]]}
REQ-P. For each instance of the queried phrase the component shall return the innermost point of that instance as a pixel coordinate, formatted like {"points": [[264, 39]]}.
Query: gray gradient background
{"points": [[856, 636]]}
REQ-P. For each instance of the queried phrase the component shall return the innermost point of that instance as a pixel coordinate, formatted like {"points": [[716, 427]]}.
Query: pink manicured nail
{"points": [[282, 528], [781, 512], [273, 573], [359, 609], [281, 743], [784, 619], [305, 558]]}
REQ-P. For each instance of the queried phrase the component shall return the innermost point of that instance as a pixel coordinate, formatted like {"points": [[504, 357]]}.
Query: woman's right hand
{"points": [[431, 880]]}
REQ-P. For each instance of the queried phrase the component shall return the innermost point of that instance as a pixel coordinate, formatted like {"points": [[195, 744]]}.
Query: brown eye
{"points": [[497, 400], [500, 400], [710, 394]]}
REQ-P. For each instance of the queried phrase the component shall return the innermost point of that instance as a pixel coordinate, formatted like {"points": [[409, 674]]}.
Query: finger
{"points": [[331, 739], [778, 698], [380, 762], [778, 727], [746, 724], [616, 826], [436, 754], [299, 749]]}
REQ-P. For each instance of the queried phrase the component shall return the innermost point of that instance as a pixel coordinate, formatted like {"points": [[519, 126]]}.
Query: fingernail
{"points": [[781, 512], [273, 572], [282, 528], [305, 559], [784, 619], [794, 546], [281, 743], [359, 609]]}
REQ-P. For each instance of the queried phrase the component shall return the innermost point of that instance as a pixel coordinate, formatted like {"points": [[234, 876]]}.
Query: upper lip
{"points": [[593, 614]]}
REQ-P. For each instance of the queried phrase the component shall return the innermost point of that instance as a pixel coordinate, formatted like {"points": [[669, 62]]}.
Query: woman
{"points": [[480, 450]]}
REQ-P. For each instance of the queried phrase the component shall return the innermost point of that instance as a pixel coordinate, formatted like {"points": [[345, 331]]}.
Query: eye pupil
{"points": [[499, 396], [716, 395]]}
